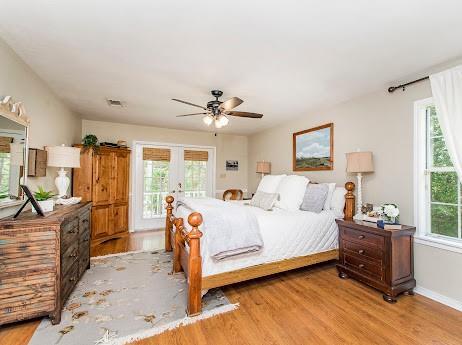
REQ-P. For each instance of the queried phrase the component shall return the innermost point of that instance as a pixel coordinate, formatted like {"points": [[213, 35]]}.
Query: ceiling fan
{"points": [[217, 111]]}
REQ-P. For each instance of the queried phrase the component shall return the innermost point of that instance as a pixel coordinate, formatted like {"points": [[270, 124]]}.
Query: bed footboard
{"points": [[183, 260]]}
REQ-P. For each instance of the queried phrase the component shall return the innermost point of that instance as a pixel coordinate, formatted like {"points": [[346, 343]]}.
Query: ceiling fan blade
{"points": [[188, 103], [191, 114], [230, 103], [245, 114]]}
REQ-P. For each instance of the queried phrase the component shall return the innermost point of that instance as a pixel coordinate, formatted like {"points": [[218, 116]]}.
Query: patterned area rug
{"points": [[126, 297]]}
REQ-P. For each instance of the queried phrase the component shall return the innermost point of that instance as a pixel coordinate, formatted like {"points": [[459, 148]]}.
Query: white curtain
{"points": [[447, 95]]}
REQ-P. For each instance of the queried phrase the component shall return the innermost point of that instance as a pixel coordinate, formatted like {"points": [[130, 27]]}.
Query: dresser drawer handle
{"points": [[85, 221], [72, 279], [71, 231], [361, 265], [361, 237], [73, 255], [361, 251]]}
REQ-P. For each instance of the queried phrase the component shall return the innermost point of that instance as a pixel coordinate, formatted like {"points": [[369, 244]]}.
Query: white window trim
{"points": [[421, 218]]}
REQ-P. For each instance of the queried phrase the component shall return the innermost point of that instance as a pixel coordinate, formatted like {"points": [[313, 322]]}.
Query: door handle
{"points": [[173, 191]]}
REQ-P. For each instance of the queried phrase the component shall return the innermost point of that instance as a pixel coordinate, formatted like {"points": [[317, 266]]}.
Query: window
{"points": [[195, 178], [4, 175], [438, 188], [155, 189]]}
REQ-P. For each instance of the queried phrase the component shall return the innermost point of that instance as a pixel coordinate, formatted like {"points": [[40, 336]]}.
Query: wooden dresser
{"points": [[103, 179], [41, 261], [380, 258]]}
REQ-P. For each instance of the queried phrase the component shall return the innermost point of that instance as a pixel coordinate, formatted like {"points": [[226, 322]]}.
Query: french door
{"points": [[162, 170]]}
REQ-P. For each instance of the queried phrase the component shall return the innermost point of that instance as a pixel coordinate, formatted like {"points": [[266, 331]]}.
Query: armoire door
{"points": [[120, 177], [102, 177], [120, 217], [101, 221]]}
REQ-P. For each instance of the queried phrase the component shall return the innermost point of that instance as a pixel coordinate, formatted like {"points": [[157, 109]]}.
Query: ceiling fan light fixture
{"points": [[222, 120], [207, 120]]}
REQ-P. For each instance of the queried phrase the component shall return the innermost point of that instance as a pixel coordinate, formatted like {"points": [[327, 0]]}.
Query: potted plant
{"points": [[44, 199], [90, 141]]}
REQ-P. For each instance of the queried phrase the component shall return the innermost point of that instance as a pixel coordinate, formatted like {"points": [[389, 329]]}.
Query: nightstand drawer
{"points": [[363, 266], [362, 237], [363, 249]]}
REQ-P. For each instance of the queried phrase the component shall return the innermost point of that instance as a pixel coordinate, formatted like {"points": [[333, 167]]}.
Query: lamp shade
{"points": [[263, 167], [359, 162], [63, 156]]}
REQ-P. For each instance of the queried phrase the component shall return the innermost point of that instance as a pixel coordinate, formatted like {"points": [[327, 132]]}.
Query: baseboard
{"points": [[450, 302]]}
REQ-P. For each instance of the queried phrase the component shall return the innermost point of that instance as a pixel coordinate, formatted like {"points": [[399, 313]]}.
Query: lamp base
{"points": [[62, 182]]}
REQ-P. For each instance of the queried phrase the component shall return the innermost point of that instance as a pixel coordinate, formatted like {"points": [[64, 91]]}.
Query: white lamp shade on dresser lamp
{"points": [[359, 163], [63, 157]]}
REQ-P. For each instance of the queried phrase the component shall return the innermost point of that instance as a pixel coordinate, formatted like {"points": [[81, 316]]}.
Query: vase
{"points": [[45, 205]]}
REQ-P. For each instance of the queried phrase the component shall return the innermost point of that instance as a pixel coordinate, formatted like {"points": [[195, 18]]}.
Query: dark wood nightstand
{"points": [[380, 258]]}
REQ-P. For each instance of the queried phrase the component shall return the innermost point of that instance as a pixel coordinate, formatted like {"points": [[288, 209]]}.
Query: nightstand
{"points": [[379, 258]]}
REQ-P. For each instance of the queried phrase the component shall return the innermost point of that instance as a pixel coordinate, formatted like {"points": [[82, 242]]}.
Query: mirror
{"points": [[13, 158]]}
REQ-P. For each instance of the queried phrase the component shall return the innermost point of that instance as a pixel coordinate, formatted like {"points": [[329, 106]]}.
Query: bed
{"points": [[292, 239]]}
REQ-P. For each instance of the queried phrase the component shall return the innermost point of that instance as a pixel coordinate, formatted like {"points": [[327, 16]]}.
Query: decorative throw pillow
{"points": [[338, 201], [329, 195], [315, 197], [264, 200], [270, 183], [291, 191]]}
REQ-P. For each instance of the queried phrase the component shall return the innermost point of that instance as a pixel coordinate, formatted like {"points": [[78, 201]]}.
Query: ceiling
{"points": [[283, 58]]}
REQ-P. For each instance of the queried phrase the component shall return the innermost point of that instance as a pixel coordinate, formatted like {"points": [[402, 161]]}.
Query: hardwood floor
{"points": [[305, 306]]}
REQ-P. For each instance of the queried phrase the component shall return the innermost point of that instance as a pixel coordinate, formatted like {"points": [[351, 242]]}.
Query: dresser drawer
{"points": [[69, 257], [84, 221], [362, 237], [69, 233], [69, 280], [363, 266], [363, 249]]}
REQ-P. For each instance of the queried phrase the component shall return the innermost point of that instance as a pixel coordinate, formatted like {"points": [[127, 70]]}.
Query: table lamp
{"points": [[63, 157], [359, 163], [263, 168]]}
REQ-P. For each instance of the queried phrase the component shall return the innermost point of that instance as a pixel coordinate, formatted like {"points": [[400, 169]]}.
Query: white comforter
{"points": [[285, 234], [229, 228]]}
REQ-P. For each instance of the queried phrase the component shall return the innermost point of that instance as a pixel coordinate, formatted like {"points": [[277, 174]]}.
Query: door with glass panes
{"points": [[161, 170]]}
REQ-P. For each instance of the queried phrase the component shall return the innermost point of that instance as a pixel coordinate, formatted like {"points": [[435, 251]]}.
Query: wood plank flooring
{"points": [[305, 306]]}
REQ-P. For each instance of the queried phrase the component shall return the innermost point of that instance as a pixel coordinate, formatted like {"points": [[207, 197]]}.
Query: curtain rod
{"points": [[403, 86]]}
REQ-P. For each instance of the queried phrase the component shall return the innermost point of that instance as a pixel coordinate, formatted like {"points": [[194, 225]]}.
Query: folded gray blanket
{"points": [[228, 228]]}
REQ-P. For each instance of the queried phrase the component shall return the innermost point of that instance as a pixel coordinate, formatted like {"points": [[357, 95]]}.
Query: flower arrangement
{"points": [[389, 213]]}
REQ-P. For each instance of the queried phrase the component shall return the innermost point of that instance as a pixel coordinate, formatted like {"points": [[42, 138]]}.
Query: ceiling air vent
{"points": [[115, 103]]}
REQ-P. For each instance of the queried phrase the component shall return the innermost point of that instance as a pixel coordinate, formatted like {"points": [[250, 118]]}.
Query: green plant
{"points": [[42, 195], [90, 141]]}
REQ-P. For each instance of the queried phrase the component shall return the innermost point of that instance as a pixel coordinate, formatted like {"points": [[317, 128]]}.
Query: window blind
{"points": [[5, 144], [156, 154], [193, 155]]}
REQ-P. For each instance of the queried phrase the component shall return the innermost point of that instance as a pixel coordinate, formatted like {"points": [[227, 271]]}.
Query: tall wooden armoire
{"points": [[103, 179]]}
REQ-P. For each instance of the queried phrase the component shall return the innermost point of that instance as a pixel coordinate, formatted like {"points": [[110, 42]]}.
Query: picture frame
{"points": [[232, 165], [31, 199], [313, 149]]}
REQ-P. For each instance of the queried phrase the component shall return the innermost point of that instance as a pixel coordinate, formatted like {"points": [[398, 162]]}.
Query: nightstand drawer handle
{"points": [[361, 237], [361, 251], [361, 265]]}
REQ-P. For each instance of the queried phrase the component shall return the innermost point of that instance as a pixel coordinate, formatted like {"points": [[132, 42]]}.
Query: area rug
{"points": [[126, 297]]}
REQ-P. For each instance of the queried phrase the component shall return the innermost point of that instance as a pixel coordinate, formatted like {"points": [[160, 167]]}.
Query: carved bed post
{"points": [[349, 201], [195, 265], [168, 224], [177, 245]]}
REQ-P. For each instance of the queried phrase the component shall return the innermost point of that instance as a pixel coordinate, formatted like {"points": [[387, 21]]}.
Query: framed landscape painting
{"points": [[313, 149]]}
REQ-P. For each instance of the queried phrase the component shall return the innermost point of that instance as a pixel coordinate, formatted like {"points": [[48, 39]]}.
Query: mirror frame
{"points": [[15, 112]]}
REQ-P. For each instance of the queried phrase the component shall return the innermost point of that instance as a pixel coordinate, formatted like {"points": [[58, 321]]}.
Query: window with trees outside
{"points": [[439, 194]]}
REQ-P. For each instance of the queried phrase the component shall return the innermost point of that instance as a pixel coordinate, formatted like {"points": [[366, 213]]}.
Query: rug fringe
{"points": [[124, 253], [174, 324]]}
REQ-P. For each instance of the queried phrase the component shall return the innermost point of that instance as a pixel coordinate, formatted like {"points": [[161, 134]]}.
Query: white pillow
{"points": [[291, 192], [270, 183], [338, 201], [328, 201]]}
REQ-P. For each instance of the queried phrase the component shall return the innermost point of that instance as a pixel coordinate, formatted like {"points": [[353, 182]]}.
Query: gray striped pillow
{"points": [[264, 200], [315, 197]]}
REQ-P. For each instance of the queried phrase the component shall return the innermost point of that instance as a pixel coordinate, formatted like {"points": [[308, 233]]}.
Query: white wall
{"points": [[228, 147], [382, 123], [52, 123]]}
